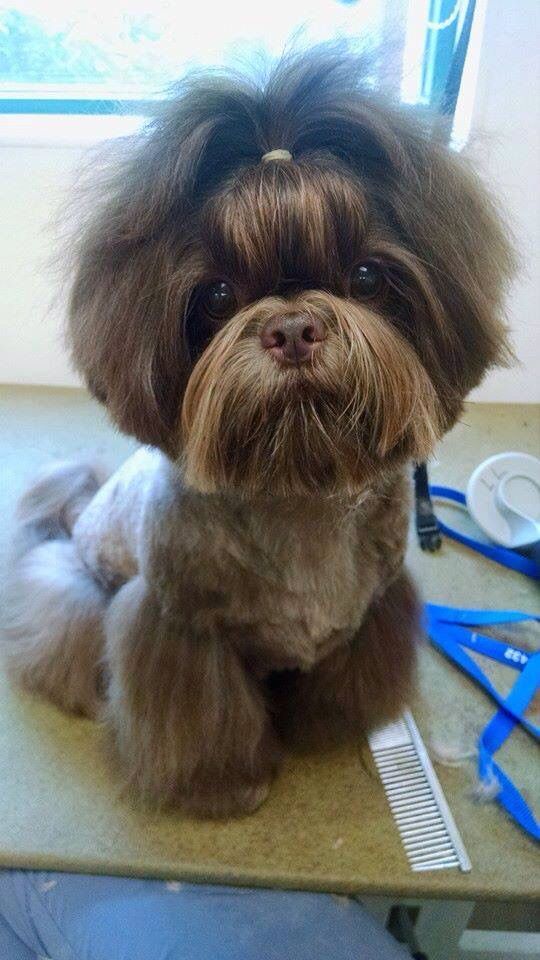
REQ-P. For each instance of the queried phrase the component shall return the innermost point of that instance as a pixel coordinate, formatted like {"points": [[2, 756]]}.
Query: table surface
{"points": [[326, 825]]}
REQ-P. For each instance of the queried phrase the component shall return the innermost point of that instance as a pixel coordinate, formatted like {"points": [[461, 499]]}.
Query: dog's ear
{"points": [[446, 217], [133, 254], [131, 279]]}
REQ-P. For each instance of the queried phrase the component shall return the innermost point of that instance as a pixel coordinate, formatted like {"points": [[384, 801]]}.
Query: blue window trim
{"points": [[439, 47], [75, 106]]}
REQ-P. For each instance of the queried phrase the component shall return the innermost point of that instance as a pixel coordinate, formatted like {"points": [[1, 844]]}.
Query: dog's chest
{"points": [[292, 588], [285, 582]]}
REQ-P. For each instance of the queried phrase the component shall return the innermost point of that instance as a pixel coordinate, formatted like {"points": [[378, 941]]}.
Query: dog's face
{"points": [[289, 325], [311, 365]]}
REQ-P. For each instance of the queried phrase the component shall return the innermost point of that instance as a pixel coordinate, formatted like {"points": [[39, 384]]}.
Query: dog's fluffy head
{"points": [[374, 232]]}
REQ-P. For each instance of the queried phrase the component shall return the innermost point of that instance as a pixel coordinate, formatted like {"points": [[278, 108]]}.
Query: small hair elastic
{"points": [[276, 155]]}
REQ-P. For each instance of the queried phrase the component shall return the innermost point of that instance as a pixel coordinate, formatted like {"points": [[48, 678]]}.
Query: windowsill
{"points": [[63, 130]]}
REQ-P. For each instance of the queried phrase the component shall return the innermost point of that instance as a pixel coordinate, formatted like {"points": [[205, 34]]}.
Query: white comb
{"points": [[426, 826]]}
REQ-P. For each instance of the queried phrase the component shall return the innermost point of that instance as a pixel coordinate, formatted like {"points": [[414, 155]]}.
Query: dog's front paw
{"points": [[226, 800]]}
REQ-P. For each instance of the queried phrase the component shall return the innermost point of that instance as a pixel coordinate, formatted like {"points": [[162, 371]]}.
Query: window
{"points": [[114, 56]]}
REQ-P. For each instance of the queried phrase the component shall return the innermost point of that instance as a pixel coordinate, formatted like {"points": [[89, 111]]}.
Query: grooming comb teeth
{"points": [[425, 823]]}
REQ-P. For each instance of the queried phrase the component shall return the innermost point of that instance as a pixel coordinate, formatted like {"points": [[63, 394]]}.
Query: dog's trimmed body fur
{"points": [[259, 570], [210, 594], [288, 334]]}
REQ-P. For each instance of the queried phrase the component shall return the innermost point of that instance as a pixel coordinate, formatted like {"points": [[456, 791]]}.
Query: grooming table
{"points": [[326, 825]]}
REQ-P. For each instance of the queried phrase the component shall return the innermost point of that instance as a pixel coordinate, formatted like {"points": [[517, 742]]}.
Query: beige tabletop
{"points": [[326, 825]]}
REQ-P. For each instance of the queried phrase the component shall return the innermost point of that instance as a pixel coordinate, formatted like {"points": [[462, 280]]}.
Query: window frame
{"points": [[78, 99]]}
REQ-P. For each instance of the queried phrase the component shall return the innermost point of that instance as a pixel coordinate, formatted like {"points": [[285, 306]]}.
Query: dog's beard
{"points": [[364, 402]]}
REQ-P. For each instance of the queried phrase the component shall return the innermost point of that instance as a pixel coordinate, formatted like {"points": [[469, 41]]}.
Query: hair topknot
{"points": [[307, 102]]}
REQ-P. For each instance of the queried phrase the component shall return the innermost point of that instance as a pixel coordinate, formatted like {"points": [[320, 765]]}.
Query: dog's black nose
{"points": [[292, 338]]}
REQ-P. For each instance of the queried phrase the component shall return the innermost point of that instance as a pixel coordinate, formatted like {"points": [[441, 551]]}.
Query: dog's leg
{"points": [[189, 725], [363, 683], [52, 616]]}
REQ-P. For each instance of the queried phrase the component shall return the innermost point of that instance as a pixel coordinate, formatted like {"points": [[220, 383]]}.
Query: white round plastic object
{"points": [[503, 498]]}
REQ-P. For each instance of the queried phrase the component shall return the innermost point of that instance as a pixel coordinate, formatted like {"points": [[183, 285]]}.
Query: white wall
{"points": [[506, 121], [37, 164], [32, 182]]}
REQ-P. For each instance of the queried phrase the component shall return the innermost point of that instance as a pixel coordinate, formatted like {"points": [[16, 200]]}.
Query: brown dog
{"points": [[286, 289]]}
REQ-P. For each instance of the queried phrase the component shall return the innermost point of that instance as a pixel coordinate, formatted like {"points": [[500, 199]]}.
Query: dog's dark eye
{"points": [[218, 300], [367, 279]]}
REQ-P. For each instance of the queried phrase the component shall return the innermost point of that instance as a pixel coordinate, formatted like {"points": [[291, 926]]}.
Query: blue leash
{"points": [[449, 630], [502, 555]]}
